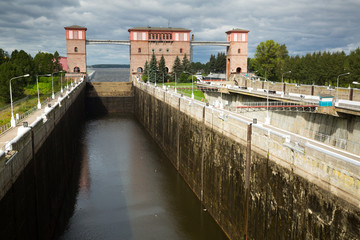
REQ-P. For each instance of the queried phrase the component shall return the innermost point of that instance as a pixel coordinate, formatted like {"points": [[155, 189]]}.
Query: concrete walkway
{"points": [[12, 133]]}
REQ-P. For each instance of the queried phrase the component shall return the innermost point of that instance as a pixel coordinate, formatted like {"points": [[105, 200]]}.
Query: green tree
{"points": [[8, 71], [177, 68], [353, 64], [146, 72], [57, 65], [44, 63], [220, 62], [186, 65], [4, 56], [153, 69], [212, 63], [24, 64], [162, 69], [270, 58]]}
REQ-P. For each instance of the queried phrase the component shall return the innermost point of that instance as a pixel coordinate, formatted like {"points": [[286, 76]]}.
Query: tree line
{"points": [[20, 63], [271, 61], [181, 70]]}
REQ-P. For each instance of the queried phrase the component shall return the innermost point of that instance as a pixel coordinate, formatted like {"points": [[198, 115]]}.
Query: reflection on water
{"points": [[129, 190], [110, 74]]}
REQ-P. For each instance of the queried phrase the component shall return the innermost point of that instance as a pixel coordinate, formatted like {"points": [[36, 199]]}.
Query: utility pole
{"points": [[247, 181]]}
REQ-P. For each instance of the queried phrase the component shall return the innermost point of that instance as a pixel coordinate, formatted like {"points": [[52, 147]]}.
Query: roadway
{"points": [[344, 106]]}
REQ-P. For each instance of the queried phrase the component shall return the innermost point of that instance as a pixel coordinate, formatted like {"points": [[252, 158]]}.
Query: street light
{"points": [[192, 85], [282, 83], [175, 82], [12, 121], [267, 119], [37, 84], [337, 85], [52, 83]]}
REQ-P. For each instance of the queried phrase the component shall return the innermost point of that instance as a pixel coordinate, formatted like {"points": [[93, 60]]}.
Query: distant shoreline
{"points": [[109, 66]]}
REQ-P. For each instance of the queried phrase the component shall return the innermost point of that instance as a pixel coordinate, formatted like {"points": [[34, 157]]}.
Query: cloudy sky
{"points": [[304, 26]]}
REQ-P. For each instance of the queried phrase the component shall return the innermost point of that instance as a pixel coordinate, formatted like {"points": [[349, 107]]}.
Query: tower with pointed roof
{"points": [[237, 51], [76, 49]]}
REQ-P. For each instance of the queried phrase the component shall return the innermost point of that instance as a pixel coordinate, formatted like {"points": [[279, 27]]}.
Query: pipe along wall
{"points": [[38, 178], [282, 204]]}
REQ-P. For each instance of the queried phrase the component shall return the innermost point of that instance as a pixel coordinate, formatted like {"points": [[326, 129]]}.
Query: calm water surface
{"points": [[129, 190]]}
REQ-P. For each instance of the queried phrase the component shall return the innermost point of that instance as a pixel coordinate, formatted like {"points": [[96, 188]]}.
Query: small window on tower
{"points": [[181, 50], [239, 50], [139, 50], [153, 50], [75, 49]]}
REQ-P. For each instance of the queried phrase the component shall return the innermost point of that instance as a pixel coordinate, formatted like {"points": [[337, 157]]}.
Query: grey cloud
{"points": [[303, 25]]}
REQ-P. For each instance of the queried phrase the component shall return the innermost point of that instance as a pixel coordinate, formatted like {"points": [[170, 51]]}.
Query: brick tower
{"points": [[76, 49], [169, 42], [237, 52]]}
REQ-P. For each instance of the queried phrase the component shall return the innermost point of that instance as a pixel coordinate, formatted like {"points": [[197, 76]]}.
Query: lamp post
{"points": [[337, 86], [192, 85], [282, 83], [175, 82], [267, 118], [52, 83], [37, 84], [12, 121]]}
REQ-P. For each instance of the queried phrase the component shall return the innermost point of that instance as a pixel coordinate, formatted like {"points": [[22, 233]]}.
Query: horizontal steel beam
{"points": [[207, 43], [116, 42]]}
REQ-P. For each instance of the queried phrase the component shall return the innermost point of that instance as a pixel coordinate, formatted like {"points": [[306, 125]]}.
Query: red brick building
{"points": [[237, 51], [76, 49], [169, 42]]}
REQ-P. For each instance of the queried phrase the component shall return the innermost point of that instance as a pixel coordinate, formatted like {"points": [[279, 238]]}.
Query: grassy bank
{"points": [[45, 91], [186, 89]]}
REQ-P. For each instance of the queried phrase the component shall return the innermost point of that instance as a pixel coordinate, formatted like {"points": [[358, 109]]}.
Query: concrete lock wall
{"points": [[34, 182], [294, 194], [109, 97], [342, 131]]}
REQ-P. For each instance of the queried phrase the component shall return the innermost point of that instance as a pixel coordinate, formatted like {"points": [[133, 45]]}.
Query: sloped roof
{"points": [[159, 29], [75, 27], [237, 30]]}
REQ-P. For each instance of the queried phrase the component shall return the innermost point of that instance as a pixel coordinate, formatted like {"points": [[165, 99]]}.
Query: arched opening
{"points": [[139, 50], [238, 70], [76, 69], [167, 69], [139, 70], [239, 51], [75, 49], [181, 50]]}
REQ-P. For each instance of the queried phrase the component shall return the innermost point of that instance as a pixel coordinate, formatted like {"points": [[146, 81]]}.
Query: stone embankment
{"points": [[296, 192], [39, 165]]}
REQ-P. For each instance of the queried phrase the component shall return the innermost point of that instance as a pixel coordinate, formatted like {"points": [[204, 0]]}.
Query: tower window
{"points": [[153, 50], [75, 49], [139, 50], [239, 50], [181, 50], [76, 69]]}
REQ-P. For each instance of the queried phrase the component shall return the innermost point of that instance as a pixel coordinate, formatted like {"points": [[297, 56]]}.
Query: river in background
{"points": [[110, 74], [128, 189]]}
